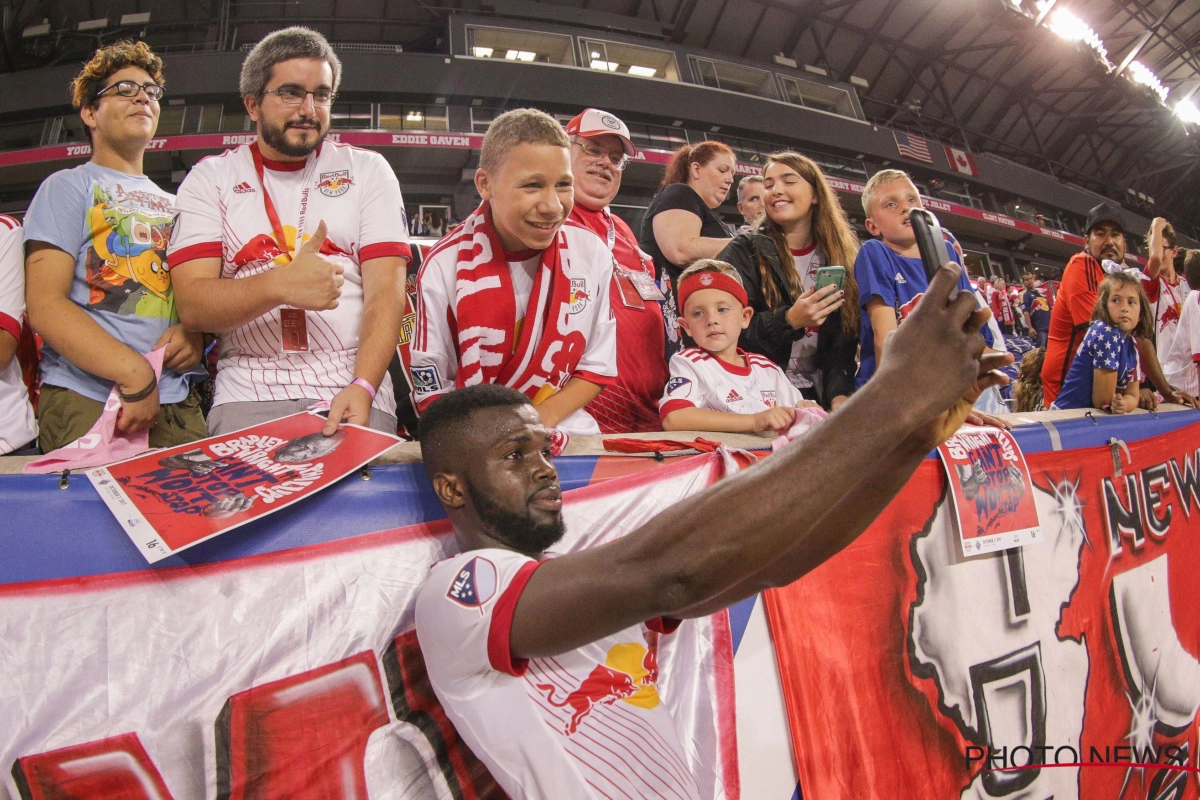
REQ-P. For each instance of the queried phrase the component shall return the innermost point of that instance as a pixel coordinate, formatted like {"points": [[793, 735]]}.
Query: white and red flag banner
{"points": [[296, 674], [1068, 669], [961, 161]]}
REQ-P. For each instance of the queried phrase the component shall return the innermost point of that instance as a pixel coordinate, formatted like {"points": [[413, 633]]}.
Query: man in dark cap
{"points": [[1104, 251]]}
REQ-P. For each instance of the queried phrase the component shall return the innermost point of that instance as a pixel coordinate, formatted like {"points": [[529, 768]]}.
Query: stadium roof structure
{"points": [[990, 76]]}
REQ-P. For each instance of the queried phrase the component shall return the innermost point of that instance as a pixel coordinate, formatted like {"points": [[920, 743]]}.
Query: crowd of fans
{"points": [[278, 272]]}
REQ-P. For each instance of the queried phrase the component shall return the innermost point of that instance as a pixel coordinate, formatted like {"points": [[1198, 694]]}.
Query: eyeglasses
{"points": [[131, 88], [294, 95], [596, 153]]}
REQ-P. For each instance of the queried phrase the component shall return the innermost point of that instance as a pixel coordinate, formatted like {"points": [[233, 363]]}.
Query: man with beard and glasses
{"points": [[546, 665], [1072, 312], [294, 250]]}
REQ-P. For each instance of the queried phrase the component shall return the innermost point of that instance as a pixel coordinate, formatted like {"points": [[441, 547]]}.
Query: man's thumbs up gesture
{"points": [[312, 281]]}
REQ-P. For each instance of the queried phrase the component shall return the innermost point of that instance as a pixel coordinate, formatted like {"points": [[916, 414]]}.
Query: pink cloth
{"points": [[806, 418], [102, 444]]}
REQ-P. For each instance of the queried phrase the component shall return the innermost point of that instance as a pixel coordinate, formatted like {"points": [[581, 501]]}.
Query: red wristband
{"points": [[364, 383]]}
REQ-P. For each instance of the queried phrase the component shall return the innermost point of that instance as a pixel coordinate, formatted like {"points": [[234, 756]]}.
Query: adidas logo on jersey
{"points": [[733, 397], [900, 278], [243, 188]]}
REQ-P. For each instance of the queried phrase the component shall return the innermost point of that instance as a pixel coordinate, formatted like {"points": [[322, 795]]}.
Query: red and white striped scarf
{"points": [[542, 358]]}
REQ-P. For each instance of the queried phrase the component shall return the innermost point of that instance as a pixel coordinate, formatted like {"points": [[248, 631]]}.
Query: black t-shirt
{"points": [[681, 196]]}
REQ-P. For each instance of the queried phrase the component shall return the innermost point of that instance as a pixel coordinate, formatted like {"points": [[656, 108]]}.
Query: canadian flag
{"points": [[961, 161]]}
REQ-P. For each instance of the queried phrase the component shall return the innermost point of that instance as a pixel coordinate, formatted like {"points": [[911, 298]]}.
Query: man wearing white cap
{"points": [[600, 150]]}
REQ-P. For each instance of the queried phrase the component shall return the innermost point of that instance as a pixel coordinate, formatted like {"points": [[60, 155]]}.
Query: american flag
{"points": [[913, 147]]}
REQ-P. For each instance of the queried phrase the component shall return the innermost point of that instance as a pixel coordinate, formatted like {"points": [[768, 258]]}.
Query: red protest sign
{"points": [[169, 500], [992, 490]]}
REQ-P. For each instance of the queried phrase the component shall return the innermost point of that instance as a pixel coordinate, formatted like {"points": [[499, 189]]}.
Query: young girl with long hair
{"points": [[1106, 372], [812, 334]]}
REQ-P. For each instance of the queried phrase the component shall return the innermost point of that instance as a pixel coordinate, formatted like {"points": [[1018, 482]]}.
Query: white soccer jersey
{"points": [[1180, 360], [221, 212], [17, 424], [701, 380], [586, 262], [1167, 299], [584, 725]]}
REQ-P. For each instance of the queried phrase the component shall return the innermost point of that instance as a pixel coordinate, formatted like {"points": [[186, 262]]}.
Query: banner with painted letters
{"points": [[1068, 668], [296, 673]]}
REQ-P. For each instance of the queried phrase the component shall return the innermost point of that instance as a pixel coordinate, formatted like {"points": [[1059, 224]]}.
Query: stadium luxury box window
{"points": [[627, 59], [509, 44], [815, 95], [733, 77], [413, 118]]}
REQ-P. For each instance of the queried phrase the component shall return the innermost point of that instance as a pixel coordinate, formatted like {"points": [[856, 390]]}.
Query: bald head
{"points": [[450, 428]]}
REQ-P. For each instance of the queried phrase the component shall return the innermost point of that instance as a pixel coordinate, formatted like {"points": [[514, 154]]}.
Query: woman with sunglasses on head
{"points": [[811, 333], [681, 225], [97, 285]]}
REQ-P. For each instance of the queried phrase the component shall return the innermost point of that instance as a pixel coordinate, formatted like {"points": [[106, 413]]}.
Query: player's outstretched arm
{"points": [[703, 546], [865, 502]]}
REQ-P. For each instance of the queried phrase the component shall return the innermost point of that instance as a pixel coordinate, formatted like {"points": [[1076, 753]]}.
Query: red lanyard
{"points": [[272, 214]]}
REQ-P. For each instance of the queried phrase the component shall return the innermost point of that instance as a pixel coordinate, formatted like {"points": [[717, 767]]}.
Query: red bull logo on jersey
{"points": [[579, 295], [1170, 316], [335, 184], [629, 675], [769, 398]]}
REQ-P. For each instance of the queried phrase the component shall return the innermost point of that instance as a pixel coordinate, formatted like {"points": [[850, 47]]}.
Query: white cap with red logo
{"points": [[594, 122]]}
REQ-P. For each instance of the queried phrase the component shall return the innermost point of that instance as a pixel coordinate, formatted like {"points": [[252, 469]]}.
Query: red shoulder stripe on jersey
{"points": [[10, 222], [591, 377], [500, 631], [384, 250], [10, 325], [674, 405], [663, 624], [192, 252]]}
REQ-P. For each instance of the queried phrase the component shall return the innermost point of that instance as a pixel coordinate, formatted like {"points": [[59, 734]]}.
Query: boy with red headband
{"points": [[716, 386]]}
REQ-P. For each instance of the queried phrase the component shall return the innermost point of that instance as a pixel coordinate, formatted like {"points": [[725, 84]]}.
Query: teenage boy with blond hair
{"points": [[890, 274], [518, 295]]}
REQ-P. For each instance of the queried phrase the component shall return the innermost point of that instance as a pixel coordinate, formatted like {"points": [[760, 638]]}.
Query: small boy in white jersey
{"points": [[715, 386]]}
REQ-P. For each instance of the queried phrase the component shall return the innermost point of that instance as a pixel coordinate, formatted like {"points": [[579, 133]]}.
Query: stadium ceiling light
{"points": [[1141, 74], [33, 31], [1073, 29], [482, 52], [643, 72], [414, 116], [92, 24], [1186, 111], [606, 66]]}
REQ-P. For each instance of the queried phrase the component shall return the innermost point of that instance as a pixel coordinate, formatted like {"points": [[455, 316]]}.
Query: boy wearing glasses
{"points": [[294, 249], [97, 286]]}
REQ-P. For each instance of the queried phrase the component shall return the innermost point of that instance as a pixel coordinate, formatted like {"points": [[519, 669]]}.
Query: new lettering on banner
{"points": [[169, 500], [993, 506]]}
